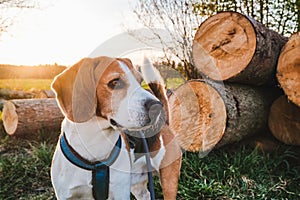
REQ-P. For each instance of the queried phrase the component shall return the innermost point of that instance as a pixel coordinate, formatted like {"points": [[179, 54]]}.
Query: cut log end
{"points": [[9, 117], [288, 69], [234, 47], [284, 121], [198, 116], [224, 45]]}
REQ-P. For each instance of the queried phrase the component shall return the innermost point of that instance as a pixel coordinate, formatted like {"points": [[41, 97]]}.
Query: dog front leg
{"points": [[119, 187], [169, 179], [140, 191], [170, 166]]}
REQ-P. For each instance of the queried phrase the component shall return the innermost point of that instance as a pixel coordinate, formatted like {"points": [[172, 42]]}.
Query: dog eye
{"points": [[116, 84]]}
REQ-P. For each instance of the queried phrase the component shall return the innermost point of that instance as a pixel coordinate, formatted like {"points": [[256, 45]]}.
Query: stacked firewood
{"points": [[245, 68], [251, 83]]}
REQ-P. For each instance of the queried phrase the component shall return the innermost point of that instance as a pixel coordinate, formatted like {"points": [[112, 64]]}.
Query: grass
{"points": [[173, 83], [24, 169], [227, 173], [242, 174], [232, 172], [25, 84]]}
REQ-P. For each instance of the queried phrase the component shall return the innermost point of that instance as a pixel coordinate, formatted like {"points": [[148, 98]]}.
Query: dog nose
{"points": [[154, 108], [152, 104]]}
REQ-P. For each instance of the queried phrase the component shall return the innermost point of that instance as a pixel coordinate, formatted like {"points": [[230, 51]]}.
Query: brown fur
{"points": [[64, 93], [104, 92], [160, 92], [171, 164], [75, 87]]}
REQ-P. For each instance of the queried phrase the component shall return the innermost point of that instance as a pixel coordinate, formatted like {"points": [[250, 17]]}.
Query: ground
{"points": [[237, 171]]}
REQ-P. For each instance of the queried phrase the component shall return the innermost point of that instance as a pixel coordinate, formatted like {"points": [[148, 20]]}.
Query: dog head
{"points": [[109, 88]]}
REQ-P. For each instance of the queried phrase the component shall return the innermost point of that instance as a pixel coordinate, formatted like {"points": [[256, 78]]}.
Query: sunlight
{"points": [[63, 32]]}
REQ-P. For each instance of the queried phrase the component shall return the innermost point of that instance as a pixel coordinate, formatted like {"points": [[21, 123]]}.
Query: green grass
{"points": [[240, 174], [171, 83], [234, 172], [25, 84], [226, 173], [24, 170]]}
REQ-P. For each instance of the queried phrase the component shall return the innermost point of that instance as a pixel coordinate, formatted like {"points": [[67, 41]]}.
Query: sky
{"points": [[64, 31]]}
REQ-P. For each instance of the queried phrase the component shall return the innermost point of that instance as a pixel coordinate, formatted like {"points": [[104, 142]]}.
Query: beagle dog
{"points": [[103, 102]]}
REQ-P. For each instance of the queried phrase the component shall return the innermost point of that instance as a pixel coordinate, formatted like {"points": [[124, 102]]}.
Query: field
{"points": [[25, 84], [239, 171], [44, 84]]}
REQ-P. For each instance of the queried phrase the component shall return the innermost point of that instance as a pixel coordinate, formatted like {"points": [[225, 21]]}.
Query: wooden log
{"points": [[284, 121], [45, 94], [288, 69], [198, 116], [14, 94], [204, 115], [26, 117], [231, 46]]}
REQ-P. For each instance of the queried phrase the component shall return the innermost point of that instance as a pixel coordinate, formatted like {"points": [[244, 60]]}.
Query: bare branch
{"points": [[179, 20], [5, 5]]}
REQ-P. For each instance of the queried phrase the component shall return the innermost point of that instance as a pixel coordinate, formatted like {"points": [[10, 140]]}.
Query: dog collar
{"points": [[100, 169]]}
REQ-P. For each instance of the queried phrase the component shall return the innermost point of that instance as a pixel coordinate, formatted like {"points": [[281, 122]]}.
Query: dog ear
{"points": [[156, 83], [129, 64], [75, 88]]}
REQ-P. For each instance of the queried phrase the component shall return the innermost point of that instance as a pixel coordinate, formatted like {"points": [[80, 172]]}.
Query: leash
{"points": [[149, 167], [140, 144], [100, 169]]}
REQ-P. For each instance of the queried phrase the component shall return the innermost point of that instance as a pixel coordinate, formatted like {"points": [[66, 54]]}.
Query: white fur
{"points": [[132, 113], [150, 73]]}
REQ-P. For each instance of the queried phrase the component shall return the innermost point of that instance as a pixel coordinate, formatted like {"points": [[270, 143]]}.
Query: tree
{"points": [[279, 15], [6, 11], [180, 22], [181, 18]]}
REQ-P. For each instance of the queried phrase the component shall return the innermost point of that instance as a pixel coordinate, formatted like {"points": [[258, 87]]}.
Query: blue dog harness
{"points": [[100, 169]]}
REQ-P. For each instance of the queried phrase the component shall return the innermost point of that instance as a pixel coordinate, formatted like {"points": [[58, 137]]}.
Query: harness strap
{"points": [[100, 169]]}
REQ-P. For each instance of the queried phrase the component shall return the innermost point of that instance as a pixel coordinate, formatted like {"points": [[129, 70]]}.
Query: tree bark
{"points": [[234, 47], [204, 115], [247, 110], [288, 69], [284, 121], [27, 117]]}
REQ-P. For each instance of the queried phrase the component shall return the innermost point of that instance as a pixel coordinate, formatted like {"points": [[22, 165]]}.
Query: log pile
{"points": [[243, 62]]}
